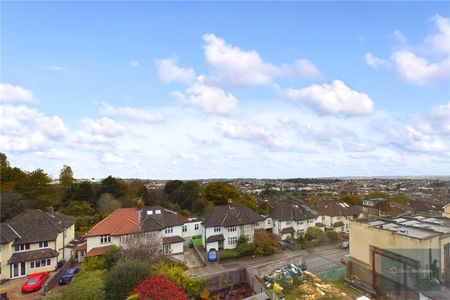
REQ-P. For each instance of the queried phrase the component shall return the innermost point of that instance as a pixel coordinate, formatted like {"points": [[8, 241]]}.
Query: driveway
{"points": [[12, 288]]}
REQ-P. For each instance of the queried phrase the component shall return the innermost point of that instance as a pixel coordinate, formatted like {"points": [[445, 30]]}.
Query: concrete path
{"points": [[324, 260], [191, 259]]}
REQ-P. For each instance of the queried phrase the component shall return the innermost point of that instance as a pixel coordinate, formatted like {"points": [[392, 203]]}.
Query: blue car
{"points": [[68, 275]]}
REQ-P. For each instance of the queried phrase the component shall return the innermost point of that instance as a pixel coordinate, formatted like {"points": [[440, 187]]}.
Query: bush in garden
{"points": [[265, 243], [175, 273], [123, 278], [246, 249], [229, 253], [315, 233], [87, 285], [158, 287], [93, 263], [332, 235]]}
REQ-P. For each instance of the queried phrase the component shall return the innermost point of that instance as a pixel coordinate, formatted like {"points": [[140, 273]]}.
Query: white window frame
{"points": [[43, 244], [168, 230], [217, 229], [247, 226], [21, 247], [232, 229], [184, 228], [105, 239], [40, 263], [196, 226], [232, 240]]}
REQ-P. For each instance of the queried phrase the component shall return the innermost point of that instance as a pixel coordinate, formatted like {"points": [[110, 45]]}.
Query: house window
{"points": [[232, 240], [248, 238], [310, 221], [106, 238], [299, 222], [43, 244], [168, 230], [288, 223], [247, 226], [40, 263], [232, 229], [196, 226], [323, 218], [167, 249], [256, 224], [22, 247], [125, 238], [184, 228], [269, 222], [217, 229]]}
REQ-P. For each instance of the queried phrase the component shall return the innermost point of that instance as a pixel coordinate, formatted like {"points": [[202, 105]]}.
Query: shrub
{"points": [[87, 286], [123, 277], [175, 272], [111, 256], [265, 243], [246, 249], [315, 233], [54, 296], [93, 263], [332, 235], [229, 253], [158, 287]]}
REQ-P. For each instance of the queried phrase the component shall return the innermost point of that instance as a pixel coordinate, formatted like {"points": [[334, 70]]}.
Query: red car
{"points": [[35, 282]]}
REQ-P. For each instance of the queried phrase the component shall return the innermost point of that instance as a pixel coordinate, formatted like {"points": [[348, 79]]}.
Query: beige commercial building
{"points": [[401, 258]]}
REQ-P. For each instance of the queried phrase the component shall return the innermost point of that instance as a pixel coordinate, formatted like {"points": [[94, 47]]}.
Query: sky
{"points": [[193, 90]]}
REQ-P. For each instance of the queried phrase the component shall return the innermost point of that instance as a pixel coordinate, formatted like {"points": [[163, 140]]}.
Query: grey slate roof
{"points": [[32, 255], [7, 234], [292, 212], [231, 216], [172, 239], [333, 209], [34, 226], [215, 238], [154, 222]]}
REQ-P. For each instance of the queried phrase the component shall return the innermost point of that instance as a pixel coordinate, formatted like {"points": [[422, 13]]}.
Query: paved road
{"points": [[323, 260]]}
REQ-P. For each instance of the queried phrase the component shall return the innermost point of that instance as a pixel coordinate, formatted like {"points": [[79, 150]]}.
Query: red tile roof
{"points": [[97, 251], [121, 221]]}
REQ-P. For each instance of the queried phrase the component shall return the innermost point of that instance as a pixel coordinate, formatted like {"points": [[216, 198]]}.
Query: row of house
{"points": [[35, 240]]}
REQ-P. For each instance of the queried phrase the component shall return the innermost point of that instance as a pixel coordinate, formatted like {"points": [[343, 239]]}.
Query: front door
{"points": [[17, 270]]}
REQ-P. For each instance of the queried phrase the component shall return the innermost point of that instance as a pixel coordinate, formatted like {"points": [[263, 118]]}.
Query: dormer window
{"points": [[104, 239], [21, 247]]}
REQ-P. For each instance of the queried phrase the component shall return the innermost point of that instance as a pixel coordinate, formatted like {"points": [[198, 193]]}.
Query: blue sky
{"points": [[202, 89]]}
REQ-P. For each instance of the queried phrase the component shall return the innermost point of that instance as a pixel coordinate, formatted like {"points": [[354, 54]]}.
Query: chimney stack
{"points": [[50, 210]]}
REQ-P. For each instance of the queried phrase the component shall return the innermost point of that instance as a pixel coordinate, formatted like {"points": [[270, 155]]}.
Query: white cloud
{"points": [[111, 158], [129, 113], [169, 71], [376, 62], [238, 67], [251, 132], [335, 98], [105, 127], [52, 126], [52, 153], [399, 36], [423, 65], [208, 98], [135, 64], [31, 141], [14, 93], [440, 118], [417, 70], [410, 139]]}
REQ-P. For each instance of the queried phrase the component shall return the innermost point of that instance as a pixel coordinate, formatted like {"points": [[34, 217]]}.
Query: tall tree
{"points": [[220, 193], [113, 186], [186, 194], [37, 188], [66, 177]]}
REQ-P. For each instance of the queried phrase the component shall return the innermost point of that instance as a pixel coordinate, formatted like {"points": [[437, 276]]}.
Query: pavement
{"points": [[324, 259]]}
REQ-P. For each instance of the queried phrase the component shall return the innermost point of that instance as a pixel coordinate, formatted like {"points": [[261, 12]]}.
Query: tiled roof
{"points": [[318, 224], [292, 212], [333, 209], [97, 251], [338, 224], [288, 230], [157, 218], [32, 255], [121, 220], [231, 216], [35, 226], [172, 239], [215, 238], [7, 234]]}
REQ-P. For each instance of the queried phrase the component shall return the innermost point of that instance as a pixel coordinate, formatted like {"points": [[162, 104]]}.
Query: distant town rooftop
{"points": [[419, 227]]}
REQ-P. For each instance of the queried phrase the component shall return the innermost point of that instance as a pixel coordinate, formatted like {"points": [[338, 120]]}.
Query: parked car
{"points": [[344, 245], [60, 264], [35, 282], [345, 259], [68, 275], [282, 245]]}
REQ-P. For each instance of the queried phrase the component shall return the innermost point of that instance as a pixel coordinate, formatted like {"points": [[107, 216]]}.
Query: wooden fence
{"points": [[55, 279]]}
